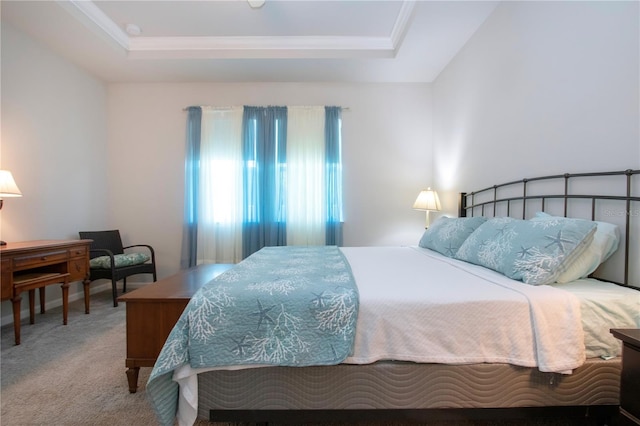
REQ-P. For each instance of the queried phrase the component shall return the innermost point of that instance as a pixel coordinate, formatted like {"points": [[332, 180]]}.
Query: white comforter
{"points": [[416, 305]]}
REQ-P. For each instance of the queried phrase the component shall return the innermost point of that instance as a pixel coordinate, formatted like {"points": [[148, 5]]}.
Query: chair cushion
{"points": [[120, 260]]}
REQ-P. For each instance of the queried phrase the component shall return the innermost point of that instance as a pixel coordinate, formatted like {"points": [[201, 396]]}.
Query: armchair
{"points": [[109, 260]]}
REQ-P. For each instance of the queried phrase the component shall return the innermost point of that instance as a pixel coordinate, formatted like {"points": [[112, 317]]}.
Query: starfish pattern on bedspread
{"points": [[291, 306]]}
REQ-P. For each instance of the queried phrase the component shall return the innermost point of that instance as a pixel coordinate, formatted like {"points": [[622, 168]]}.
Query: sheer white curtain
{"points": [[306, 199], [220, 192]]}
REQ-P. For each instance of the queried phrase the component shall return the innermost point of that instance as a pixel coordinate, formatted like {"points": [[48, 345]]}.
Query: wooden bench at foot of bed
{"points": [[154, 309]]}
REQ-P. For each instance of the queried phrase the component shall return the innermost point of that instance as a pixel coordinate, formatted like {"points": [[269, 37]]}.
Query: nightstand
{"points": [[630, 376]]}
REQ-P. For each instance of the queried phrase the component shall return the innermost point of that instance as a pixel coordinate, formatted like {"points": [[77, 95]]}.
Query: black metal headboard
{"points": [[604, 196]]}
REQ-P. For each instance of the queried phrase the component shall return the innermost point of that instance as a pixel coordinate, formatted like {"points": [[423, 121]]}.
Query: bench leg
{"points": [[132, 378], [32, 305], [41, 290]]}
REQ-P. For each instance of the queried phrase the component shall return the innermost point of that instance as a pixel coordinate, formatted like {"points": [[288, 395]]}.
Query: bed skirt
{"points": [[406, 386]]}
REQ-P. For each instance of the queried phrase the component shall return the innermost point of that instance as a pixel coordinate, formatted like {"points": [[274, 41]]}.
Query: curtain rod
{"points": [[222, 108]]}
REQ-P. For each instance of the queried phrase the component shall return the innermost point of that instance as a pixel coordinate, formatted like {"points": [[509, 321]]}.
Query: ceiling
{"points": [[229, 41]]}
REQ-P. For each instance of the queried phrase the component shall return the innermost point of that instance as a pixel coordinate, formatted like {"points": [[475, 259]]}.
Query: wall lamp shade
{"points": [[256, 4], [8, 188], [427, 200]]}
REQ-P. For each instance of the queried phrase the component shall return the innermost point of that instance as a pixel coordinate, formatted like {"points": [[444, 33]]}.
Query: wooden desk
{"points": [[154, 309], [31, 265]]}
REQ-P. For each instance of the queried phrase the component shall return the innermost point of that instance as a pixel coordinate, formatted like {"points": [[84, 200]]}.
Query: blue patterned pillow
{"points": [[447, 234], [533, 252], [605, 243], [120, 260]]}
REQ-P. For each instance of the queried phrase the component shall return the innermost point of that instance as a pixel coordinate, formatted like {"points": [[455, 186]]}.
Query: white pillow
{"points": [[605, 243]]}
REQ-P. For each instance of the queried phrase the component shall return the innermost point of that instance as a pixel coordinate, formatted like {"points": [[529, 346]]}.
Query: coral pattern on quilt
{"points": [[292, 306]]}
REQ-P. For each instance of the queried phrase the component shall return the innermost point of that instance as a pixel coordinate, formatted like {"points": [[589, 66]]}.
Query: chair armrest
{"points": [[153, 253], [105, 251]]}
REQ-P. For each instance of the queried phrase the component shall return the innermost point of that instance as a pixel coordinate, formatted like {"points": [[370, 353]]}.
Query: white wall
{"points": [[91, 156], [541, 88], [387, 135], [54, 133]]}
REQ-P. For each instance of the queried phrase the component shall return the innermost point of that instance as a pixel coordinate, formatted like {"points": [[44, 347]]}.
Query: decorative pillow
{"points": [[535, 252], [130, 259], [447, 234], [605, 243]]}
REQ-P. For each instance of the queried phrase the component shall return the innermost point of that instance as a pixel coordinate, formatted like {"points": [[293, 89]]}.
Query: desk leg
{"points": [[132, 378], [16, 300], [87, 293], [65, 300]]}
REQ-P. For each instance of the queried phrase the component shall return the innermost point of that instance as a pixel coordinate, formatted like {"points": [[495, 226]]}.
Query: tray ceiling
{"points": [[228, 40]]}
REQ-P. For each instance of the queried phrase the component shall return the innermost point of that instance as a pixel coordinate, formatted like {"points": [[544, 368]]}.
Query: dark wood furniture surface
{"points": [[31, 265], [630, 376], [154, 309]]}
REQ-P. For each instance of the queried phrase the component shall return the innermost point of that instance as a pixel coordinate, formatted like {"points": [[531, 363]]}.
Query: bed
{"points": [[454, 335]]}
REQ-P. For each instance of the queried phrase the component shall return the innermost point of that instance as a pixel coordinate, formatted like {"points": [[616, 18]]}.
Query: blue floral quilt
{"points": [[287, 306]]}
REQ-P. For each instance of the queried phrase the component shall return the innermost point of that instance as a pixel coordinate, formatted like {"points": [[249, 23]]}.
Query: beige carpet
{"points": [[78, 389], [75, 375], [82, 382]]}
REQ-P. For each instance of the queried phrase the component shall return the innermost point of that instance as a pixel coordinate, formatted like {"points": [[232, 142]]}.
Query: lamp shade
{"points": [[256, 4], [8, 187], [427, 200]]}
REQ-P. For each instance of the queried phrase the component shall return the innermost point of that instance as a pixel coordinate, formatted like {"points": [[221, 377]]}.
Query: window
{"points": [[261, 176]]}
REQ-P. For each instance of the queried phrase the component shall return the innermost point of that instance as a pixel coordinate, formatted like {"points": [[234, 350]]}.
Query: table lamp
{"points": [[8, 188], [427, 200]]}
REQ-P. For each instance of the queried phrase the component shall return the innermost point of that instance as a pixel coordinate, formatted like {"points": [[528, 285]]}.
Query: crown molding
{"points": [[91, 15], [260, 47], [245, 47], [402, 23]]}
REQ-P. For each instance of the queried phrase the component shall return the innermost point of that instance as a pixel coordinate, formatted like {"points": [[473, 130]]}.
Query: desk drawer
{"points": [[40, 259], [78, 251]]}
